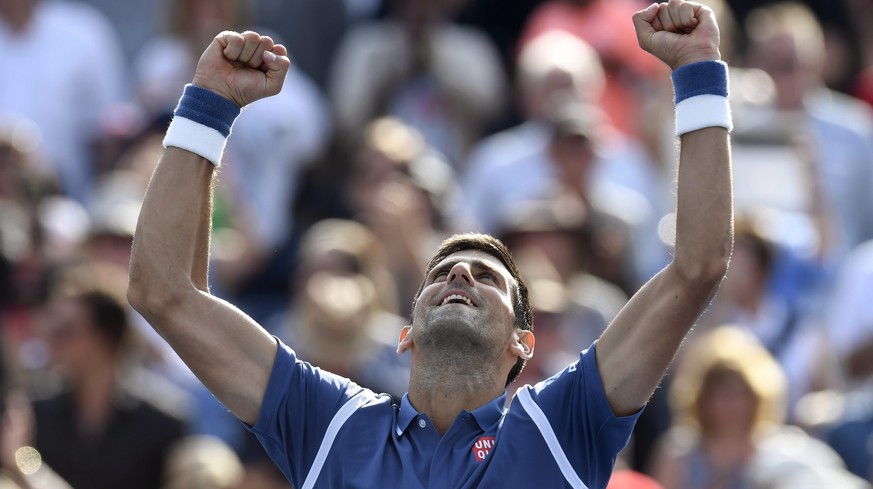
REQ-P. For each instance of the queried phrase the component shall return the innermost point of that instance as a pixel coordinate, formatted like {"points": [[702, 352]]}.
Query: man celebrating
{"points": [[471, 327]]}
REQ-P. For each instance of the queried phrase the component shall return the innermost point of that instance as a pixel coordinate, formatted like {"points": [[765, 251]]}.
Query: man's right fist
{"points": [[678, 32], [242, 67]]}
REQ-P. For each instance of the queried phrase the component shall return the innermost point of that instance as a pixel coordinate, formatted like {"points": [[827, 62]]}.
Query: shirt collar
{"points": [[405, 416], [489, 414], [485, 416]]}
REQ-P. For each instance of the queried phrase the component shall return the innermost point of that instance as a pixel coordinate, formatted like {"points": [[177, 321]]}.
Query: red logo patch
{"points": [[482, 447]]}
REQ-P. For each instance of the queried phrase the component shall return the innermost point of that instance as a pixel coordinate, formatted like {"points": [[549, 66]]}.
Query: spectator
{"points": [[603, 24], [343, 316], [786, 41], [442, 79], [274, 143], [787, 329], [108, 428], [555, 65], [729, 400], [567, 164], [403, 190], [67, 97], [841, 31], [571, 307], [519, 164], [21, 466]]}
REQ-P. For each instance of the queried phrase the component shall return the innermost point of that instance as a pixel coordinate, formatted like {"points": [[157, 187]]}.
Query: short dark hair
{"points": [[100, 288], [107, 315], [494, 247]]}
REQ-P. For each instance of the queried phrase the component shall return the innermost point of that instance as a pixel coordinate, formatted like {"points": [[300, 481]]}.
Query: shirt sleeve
{"points": [[299, 404], [590, 434]]}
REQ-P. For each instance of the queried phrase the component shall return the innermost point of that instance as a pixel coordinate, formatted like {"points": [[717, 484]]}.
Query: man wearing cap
{"points": [[470, 332]]}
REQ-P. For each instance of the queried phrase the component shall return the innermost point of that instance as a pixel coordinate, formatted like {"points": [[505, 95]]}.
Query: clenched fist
{"points": [[242, 67], [678, 32]]}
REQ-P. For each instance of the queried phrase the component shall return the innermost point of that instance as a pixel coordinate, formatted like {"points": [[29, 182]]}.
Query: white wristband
{"points": [[701, 91], [197, 138], [201, 124], [703, 111]]}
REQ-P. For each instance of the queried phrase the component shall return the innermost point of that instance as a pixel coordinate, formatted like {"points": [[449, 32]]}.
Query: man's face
{"points": [[466, 302]]}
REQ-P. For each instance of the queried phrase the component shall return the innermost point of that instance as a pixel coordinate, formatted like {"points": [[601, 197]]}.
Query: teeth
{"points": [[456, 297]]}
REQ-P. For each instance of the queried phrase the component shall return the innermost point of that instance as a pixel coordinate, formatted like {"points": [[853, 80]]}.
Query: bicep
{"points": [[635, 350]]}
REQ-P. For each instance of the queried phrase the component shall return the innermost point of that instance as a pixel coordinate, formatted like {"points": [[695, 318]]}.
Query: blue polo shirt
{"points": [[324, 431]]}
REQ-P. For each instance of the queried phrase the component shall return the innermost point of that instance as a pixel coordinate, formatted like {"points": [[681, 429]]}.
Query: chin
{"points": [[453, 336]]}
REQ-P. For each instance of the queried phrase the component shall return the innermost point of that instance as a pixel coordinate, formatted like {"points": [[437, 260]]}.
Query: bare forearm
{"points": [[200, 266], [171, 244], [704, 214]]}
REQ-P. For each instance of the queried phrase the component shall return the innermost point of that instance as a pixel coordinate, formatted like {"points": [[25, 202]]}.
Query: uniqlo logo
{"points": [[482, 447]]}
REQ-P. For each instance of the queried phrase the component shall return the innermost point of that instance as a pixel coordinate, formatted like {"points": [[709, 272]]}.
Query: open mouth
{"points": [[457, 299]]}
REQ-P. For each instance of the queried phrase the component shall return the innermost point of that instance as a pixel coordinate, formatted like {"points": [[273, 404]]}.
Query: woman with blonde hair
{"points": [[728, 399]]}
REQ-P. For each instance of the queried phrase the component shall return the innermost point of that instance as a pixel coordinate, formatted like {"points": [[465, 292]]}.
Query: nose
{"points": [[461, 271]]}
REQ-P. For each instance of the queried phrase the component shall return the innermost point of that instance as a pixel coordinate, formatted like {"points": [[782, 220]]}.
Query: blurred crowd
{"points": [[402, 122]]}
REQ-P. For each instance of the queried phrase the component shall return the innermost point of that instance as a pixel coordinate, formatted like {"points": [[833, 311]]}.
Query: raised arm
{"points": [[226, 349], [634, 352]]}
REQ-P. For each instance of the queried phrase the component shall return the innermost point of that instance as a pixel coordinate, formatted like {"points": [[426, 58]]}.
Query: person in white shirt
{"points": [[64, 90]]}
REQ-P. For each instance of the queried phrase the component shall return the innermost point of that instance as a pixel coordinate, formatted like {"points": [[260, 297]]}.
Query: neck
{"points": [[448, 388], [93, 396]]}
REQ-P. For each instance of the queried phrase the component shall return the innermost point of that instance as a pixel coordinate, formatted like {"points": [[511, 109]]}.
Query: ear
{"points": [[404, 342], [523, 344]]}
